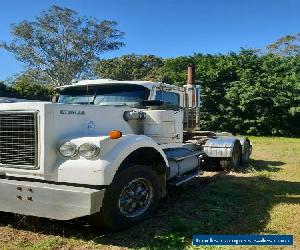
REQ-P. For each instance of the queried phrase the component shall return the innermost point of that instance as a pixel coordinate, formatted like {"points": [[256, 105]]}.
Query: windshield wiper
{"points": [[94, 97]]}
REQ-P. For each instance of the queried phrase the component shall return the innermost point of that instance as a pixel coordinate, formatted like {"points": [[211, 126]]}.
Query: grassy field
{"points": [[264, 198]]}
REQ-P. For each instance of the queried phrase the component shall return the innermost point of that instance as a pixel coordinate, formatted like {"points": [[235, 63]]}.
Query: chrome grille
{"points": [[18, 139]]}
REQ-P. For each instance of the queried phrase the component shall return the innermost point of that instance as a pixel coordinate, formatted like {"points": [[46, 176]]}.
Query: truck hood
{"points": [[57, 123]]}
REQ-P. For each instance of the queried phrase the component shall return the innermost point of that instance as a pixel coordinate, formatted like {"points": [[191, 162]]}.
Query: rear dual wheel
{"points": [[232, 163], [246, 152]]}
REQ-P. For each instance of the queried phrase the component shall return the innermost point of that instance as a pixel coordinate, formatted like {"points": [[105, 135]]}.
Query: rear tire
{"points": [[233, 162], [132, 197], [246, 152]]}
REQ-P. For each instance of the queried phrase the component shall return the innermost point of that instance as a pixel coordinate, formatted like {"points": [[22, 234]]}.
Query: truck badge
{"points": [[71, 112]]}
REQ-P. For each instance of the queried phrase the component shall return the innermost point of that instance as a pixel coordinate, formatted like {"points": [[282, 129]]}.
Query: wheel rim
{"points": [[135, 197]]}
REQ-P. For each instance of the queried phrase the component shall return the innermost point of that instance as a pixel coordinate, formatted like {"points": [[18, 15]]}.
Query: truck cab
{"points": [[106, 149]]}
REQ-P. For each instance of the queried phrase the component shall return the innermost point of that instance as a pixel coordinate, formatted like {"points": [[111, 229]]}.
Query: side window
{"points": [[170, 99]]}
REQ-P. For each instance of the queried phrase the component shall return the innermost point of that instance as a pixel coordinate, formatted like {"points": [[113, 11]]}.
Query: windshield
{"points": [[105, 94]]}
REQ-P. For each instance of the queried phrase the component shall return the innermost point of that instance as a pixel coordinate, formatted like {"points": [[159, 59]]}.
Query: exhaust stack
{"points": [[192, 102], [191, 74]]}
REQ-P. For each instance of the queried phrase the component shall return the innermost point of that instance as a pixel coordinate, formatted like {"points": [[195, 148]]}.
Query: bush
{"points": [[27, 86]]}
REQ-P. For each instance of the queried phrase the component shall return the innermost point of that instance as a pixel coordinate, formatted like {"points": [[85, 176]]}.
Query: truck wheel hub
{"points": [[135, 198]]}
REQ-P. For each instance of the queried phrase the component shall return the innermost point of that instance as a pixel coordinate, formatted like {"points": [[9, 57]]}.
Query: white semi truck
{"points": [[107, 150]]}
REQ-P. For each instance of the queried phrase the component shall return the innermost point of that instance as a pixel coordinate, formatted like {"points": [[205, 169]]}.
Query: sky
{"points": [[168, 28]]}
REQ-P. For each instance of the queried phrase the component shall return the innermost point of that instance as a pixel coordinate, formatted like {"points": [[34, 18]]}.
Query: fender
{"points": [[102, 169], [220, 147], [124, 147]]}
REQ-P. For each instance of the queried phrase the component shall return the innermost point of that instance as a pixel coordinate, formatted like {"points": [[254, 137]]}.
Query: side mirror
{"points": [[192, 96], [151, 103]]}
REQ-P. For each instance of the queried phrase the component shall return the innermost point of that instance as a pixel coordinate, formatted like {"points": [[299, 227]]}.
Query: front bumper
{"points": [[46, 200]]}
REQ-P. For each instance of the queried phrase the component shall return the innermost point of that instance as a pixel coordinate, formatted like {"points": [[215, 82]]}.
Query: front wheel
{"points": [[131, 198]]}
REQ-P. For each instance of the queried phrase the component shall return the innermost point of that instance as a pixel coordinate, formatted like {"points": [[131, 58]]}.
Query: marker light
{"points": [[115, 134], [68, 149], [88, 150]]}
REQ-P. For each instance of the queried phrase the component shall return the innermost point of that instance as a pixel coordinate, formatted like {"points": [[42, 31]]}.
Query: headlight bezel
{"points": [[93, 149], [69, 144]]}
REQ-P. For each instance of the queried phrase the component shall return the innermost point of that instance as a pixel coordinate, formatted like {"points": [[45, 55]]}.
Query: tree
{"points": [[286, 46], [214, 73], [62, 45], [174, 70], [28, 86], [130, 67], [264, 99], [245, 92], [3, 89]]}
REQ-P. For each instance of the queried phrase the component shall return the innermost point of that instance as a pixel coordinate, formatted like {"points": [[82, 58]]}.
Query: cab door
{"points": [[172, 101]]}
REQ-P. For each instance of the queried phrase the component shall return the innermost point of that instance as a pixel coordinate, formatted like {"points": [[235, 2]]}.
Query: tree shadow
{"points": [[223, 204]]}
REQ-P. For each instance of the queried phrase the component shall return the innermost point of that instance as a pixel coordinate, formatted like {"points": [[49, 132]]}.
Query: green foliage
{"points": [[174, 70], [264, 100], [61, 44], [130, 67], [27, 86], [7, 91], [244, 93], [215, 74], [286, 45], [3, 89]]}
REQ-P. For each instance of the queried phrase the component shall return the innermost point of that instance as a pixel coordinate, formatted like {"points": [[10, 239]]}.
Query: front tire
{"points": [[132, 197]]}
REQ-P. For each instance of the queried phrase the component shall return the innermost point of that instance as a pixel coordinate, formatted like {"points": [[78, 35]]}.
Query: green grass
{"points": [[263, 198]]}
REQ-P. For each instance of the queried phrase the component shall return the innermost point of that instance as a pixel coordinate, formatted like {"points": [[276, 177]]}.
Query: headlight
{"points": [[88, 150], [68, 149]]}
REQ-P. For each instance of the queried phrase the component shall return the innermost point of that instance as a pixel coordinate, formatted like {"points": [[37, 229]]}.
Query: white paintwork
{"points": [[101, 170], [10, 100], [160, 130], [57, 127], [147, 84], [60, 123], [161, 125], [49, 200]]}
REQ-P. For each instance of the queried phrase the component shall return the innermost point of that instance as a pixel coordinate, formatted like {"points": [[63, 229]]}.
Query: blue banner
{"points": [[225, 240]]}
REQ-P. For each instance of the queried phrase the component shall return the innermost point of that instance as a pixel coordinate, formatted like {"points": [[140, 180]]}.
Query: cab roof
{"points": [[147, 84]]}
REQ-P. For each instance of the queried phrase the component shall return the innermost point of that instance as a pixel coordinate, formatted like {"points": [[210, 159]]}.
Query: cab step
{"points": [[177, 181]]}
